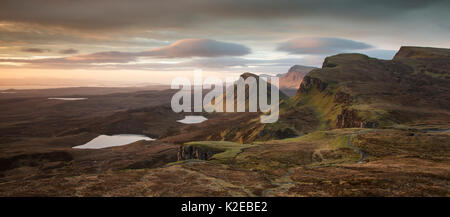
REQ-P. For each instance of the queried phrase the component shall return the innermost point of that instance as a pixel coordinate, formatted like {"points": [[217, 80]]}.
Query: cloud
{"points": [[198, 48], [119, 25], [321, 46], [68, 51], [35, 50], [224, 64], [176, 13], [180, 49]]}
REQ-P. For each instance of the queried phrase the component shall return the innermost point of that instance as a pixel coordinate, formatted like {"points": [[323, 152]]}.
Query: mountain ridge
{"points": [[368, 92]]}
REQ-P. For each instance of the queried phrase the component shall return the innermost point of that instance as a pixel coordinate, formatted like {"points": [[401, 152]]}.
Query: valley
{"points": [[358, 126]]}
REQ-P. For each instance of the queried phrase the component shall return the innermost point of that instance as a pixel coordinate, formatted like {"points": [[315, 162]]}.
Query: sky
{"points": [[152, 41]]}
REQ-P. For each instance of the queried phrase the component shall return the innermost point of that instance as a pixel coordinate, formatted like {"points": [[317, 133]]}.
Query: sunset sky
{"points": [[153, 41]]}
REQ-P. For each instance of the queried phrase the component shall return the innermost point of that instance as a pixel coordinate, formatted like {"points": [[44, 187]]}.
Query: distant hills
{"points": [[290, 82], [349, 91], [356, 91]]}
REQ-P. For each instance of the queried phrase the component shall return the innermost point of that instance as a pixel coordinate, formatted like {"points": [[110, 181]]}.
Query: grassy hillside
{"points": [[353, 90], [356, 91]]}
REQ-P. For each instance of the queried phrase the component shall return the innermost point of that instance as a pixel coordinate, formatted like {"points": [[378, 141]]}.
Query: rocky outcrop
{"points": [[349, 119], [194, 152], [310, 82], [368, 124]]}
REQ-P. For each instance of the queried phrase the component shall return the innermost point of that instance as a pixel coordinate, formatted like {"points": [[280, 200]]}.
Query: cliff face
{"points": [[339, 112], [350, 119], [293, 78], [310, 83], [290, 82]]}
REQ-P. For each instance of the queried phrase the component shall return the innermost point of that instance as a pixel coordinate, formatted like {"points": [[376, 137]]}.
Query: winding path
{"points": [[362, 153]]}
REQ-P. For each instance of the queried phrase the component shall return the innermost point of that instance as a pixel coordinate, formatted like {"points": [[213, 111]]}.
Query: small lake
{"points": [[105, 141], [68, 99], [437, 130], [192, 119]]}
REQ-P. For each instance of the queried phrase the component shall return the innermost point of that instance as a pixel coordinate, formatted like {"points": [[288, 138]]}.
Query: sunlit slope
{"points": [[353, 90]]}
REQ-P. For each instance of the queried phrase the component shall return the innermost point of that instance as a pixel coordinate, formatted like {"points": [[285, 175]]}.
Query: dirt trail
{"points": [[362, 153]]}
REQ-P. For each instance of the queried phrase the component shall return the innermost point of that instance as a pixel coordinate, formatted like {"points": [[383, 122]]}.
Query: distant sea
{"points": [[29, 87]]}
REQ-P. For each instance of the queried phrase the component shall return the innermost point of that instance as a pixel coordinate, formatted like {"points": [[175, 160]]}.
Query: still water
{"points": [[105, 141], [68, 99], [192, 119]]}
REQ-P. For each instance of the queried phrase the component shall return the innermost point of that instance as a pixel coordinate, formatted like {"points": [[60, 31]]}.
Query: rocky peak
{"points": [[290, 82]]}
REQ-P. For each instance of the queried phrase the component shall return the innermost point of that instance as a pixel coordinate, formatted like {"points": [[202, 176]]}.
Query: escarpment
{"points": [[334, 105], [354, 90], [194, 152]]}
